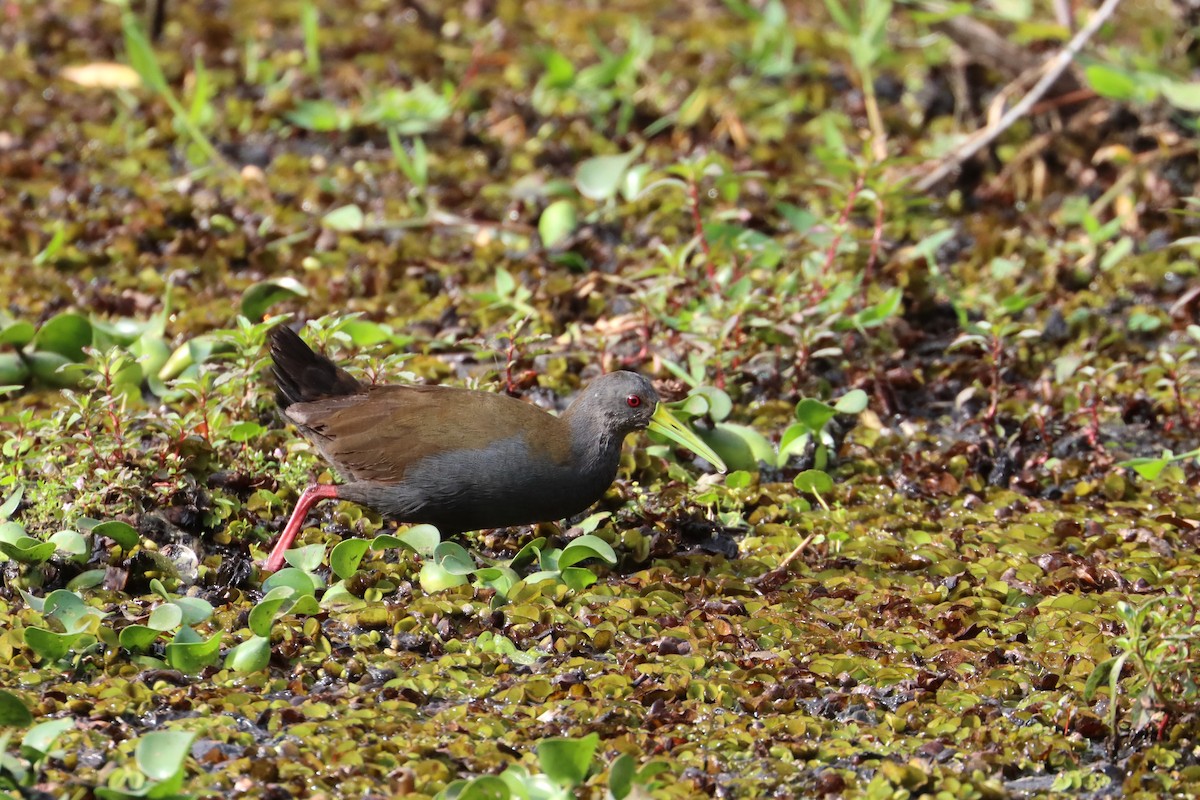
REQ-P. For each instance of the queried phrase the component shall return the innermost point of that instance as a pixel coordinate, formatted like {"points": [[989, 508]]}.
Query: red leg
{"points": [[308, 498]]}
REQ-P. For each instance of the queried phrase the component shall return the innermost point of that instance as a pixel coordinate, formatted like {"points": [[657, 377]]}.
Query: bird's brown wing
{"points": [[375, 436]]}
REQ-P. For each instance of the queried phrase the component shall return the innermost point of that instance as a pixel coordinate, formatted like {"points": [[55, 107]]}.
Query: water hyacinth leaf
{"points": [[252, 655], [166, 617], [195, 609], [160, 754], [585, 547], [65, 334], [454, 558], [345, 219], [567, 761], [264, 294], [421, 539], [9, 506], [38, 604], [813, 481], [435, 578], [14, 373], [502, 579], [13, 711], [299, 581], [89, 579], [739, 446], [39, 740], [346, 556], [578, 578], [12, 532], [598, 178], [557, 222], [49, 645], [265, 612], [120, 532], [793, 442], [739, 479], [486, 787], [306, 558], [72, 543], [26, 550], [529, 553], [137, 638], [190, 656], [620, 776]]}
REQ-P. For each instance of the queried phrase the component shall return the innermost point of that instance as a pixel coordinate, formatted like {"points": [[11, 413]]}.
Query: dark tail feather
{"points": [[302, 376]]}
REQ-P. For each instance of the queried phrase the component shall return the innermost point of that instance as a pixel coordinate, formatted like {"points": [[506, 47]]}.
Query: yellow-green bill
{"points": [[663, 422]]}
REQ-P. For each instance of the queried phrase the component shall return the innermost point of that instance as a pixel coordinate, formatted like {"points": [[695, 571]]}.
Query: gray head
{"points": [[621, 402]]}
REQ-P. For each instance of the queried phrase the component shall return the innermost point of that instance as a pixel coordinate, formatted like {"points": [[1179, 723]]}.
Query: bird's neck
{"points": [[596, 448]]}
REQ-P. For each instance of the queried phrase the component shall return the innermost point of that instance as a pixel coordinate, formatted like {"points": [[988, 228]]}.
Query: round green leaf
{"points": [[160, 754], [557, 222], [13, 712], [27, 550], [89, 579], [72, 543], [599, 178], [813, 481], [814, 414], [346, 556], [166, 617], [195, 609], [48, 368], [345, 218], [578, 578], [17, 334], [435, 578], [307, 559], [566, 761], [252, 655], [585, 547], [11, 502], [299, 581], [191, 656], [13, 370], [66, 335], [454, 558], [265, 612], [137, 638], [120, 532], [852, 402], [41, 737], [49, 646]]}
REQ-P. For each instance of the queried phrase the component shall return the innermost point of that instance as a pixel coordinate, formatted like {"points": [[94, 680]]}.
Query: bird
{"points": [[459, 459]]}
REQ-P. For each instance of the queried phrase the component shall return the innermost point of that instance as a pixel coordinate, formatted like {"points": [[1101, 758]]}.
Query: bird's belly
{"points": [[496, 487]]}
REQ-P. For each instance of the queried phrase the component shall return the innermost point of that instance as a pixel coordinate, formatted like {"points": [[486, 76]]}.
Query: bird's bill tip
{"points": [[665, 423]]}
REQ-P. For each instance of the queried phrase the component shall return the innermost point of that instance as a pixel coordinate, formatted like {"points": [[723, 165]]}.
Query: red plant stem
{"points": [[876, 241], [819, 290], [114, 420], [698, 223]]}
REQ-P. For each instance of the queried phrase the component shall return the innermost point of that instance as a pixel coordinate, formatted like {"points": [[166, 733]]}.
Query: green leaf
{"points": [[1110, 82], [252, 655], [620, 776], [421, 539], [13, 711], [557, 222], [267, 610], [739, 479], [11, 502], [1098, 677], [319, 115], [66, 335], [529, 553], [14, 373], [739, 446], [566, 761], [137, 638], [192, 656], [585, 547], [435, 578], [257, 299], [306, 558], [166, 617], [486, 787], [72, 543], [17, 334], [49, 645], [39, 740], [502, 579], [852, 402], [1184, 96], [53, 369], [346, 556], [89, 579], [454, 558], [195, 609], [297, 580], [598, 178], [346, 219], [120, 532], [160, 754], [27, 550], [813, 481], [141, 54], [578, 578], [814, 414], [245, 431], [1148, 468]]}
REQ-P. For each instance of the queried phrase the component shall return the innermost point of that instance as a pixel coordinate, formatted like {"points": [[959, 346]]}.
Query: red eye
{"points": [[633, 401]]}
